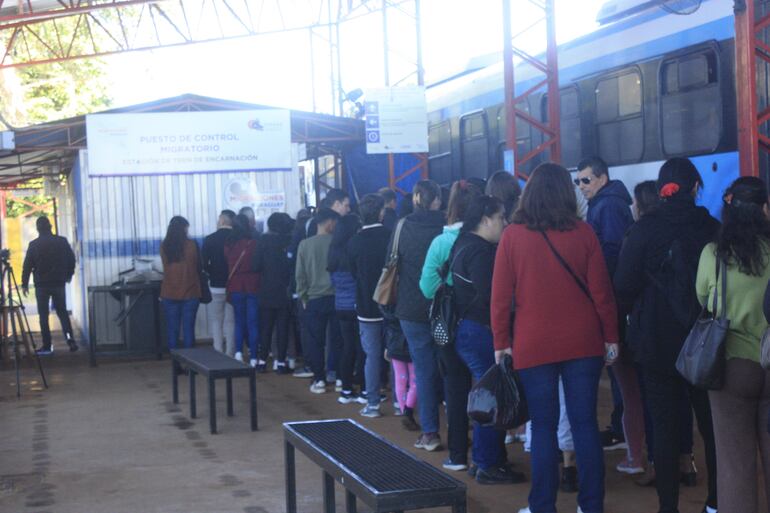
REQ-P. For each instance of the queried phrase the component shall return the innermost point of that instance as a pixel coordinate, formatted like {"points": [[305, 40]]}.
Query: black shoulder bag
{"points": [[702, 359]]}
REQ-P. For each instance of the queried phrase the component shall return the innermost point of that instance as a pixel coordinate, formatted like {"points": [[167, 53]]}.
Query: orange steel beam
{"points": [[549, 67], [748, 49]]}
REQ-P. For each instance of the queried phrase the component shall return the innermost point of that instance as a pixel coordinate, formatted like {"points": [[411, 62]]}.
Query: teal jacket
{"points": [[438, 253]]}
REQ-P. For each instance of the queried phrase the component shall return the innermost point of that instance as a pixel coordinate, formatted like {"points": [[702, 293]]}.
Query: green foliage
{"points": [[15, 208], [61, 90]]}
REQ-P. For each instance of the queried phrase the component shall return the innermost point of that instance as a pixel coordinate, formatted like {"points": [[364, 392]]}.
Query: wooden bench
{"points": [[381, 475], [214, 365]]}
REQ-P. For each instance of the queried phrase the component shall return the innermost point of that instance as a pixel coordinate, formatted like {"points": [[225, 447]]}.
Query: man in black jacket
{"points": [[670, 237], [272, 262], [51, 261], [609, 214], [220, 312]]}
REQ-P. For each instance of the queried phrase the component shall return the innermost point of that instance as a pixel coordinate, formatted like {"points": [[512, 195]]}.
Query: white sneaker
{"points": [[318, 387], [626, 467], [579, 510], [253, 362], [239, 356], [525, 510], [508, 439], [292, 362], [338, 385], [275, 365]]}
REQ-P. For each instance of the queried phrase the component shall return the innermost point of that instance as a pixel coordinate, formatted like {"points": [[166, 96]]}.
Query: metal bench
{"points": [[384, 477], [214, 365]]}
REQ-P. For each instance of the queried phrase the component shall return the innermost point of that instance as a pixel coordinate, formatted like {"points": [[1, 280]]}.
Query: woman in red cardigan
{"points": [[549, 268]]}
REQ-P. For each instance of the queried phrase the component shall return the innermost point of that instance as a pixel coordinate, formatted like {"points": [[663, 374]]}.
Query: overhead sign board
{"points": [[396, 120], [188, 142]]}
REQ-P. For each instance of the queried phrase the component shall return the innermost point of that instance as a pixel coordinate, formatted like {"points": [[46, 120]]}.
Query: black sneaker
{"points": [[347, 397], [261, 367], [73, 346], [611, 441], [499, 475], [408, 421], [45, 351], [283, 369], [473, 470], [569, 480]]}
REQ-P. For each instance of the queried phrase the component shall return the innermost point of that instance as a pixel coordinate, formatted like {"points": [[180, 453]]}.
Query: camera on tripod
{"points": [[5, 255]]}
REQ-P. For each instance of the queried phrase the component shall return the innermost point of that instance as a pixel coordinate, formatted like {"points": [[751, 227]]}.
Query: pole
{"points": [[418, 29], [510, 113], [386, 63], [745, 84], [552, 61]]}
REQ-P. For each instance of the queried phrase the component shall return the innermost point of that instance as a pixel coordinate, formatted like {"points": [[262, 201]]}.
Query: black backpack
{"points": [[675, 278], [443, 313]]}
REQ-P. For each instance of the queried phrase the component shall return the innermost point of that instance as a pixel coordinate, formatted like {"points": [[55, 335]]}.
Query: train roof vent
{"points": [[614, 10]]}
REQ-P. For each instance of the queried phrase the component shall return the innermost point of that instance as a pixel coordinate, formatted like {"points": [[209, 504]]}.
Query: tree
{"points": [[58, 90]]}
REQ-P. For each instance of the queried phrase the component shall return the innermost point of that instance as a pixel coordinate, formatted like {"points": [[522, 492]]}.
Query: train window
{"points": [[690, 104], [619, 120], [569, 108], [474, 145], [440, 139]]}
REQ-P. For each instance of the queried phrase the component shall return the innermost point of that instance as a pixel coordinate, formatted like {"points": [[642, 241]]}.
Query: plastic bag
{"points": [[497, 400]]}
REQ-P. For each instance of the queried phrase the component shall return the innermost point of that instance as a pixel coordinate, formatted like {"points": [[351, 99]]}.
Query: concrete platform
{"points": [[109, 440]]}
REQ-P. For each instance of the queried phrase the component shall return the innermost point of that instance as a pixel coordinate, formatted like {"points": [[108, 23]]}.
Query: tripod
{"points": [[10, 305]]}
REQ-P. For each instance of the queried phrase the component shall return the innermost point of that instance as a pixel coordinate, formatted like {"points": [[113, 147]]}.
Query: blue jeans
{"points": [[372, 342], [318, 315], [581, 386], [474, 345], [180, 311], [246, 310], [425, 359]]}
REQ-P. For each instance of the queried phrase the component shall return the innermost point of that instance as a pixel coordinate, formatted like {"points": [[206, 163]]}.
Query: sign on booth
{"points": [[189, 142]]}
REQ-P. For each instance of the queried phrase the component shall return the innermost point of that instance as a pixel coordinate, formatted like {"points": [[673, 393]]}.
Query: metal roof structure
{"points": [[50, 149]]}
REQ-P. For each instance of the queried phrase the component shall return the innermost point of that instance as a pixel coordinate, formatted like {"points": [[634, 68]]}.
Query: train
{"points": [[649, 84]]}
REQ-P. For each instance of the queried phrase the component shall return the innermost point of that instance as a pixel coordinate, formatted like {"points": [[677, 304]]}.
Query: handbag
{"points": [[764, 349], [203, 277], [764, 343], [387, 285], [702, 359]]}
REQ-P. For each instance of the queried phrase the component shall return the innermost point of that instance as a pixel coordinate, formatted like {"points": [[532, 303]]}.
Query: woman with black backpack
{"points": [[655, 283]]}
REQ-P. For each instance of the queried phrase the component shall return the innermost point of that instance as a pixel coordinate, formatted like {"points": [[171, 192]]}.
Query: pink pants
{"points": [[633, 414], [406, 384]]}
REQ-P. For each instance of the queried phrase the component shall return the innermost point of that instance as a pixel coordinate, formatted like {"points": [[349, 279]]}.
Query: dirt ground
{"points": [[109, 440]]}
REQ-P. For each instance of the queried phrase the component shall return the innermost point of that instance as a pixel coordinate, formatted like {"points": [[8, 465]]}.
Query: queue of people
{"points": [[568, 278]]}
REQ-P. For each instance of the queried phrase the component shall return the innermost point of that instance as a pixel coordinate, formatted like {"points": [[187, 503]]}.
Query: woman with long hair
{"points": [[740, 409], [418, 230], [456, 378], [243, 288], [550, 265], [180, 290]]}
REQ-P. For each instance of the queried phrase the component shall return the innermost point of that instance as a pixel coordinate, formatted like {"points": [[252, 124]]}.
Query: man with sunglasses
{"points": [[609, 213]]}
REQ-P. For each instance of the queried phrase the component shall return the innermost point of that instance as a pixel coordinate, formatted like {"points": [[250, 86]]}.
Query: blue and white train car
{"points": [[649, 84]]}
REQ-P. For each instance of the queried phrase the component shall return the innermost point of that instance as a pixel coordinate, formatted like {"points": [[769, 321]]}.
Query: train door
{"points": [[474, 145]]}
